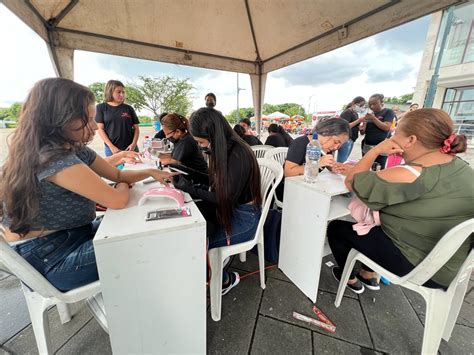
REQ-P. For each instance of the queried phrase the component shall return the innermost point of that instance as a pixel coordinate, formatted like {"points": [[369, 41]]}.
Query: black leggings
{"points": [[376, 245]]}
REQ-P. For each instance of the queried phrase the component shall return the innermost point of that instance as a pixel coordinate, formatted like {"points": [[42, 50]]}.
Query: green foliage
{"points": [[145, 119], [400, 100], [245, 112], [289, 109], [98, 91], [163, 94], [11, 113]]}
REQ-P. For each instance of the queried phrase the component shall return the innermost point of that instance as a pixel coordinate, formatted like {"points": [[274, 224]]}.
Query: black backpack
{"points": [[271, 236]]}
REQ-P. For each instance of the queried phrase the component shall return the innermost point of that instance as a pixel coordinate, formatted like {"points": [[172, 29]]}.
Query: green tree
{"points": [[289, 109], [245, 112], [11, 113], [163, 94], [400, 100], [98, 89]]}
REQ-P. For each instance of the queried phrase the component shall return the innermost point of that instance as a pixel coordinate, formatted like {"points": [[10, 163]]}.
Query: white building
{"points": [[455, 90]]}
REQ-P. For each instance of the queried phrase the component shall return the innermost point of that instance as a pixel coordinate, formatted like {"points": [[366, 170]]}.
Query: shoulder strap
{"points": [[412, 169]]}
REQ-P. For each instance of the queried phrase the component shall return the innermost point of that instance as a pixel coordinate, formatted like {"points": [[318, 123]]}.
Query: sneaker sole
{"points": [[237, 280], [348, 286], [370, 287]]}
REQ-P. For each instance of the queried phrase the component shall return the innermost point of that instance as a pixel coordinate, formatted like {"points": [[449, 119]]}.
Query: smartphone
{"points": [[165, 214], [177, 170]]}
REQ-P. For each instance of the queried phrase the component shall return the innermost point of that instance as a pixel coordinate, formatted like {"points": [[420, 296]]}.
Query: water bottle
{"points": [[146, 147], [313, 153]]}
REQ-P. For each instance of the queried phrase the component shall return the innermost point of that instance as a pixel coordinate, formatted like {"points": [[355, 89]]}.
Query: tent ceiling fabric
{"points": [[250, 36]]}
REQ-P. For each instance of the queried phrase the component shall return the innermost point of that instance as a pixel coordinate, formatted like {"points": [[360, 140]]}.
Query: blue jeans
{"points": [[244, 225], [65, 258], [345, 150], [108, 152]]}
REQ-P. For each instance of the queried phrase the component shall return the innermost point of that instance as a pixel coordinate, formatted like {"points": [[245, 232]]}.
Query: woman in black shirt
{"points": [[233, 201], [186, 151], [249, 139], [278, 136], [351, 115]]}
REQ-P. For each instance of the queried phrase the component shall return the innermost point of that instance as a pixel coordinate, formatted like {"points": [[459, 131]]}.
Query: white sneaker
{"points": [[226, 261], [95, 304], [234, 281]]}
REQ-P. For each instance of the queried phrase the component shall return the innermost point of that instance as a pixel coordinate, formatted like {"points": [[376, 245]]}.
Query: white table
{"points": [[153, 278], [307, 209]]}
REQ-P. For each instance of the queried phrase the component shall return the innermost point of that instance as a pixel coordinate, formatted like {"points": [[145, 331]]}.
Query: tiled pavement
{"points": [[260, 321]]}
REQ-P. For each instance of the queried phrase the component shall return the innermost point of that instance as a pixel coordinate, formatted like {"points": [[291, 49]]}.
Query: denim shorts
{"points": [[65, 258], [244, 225]]}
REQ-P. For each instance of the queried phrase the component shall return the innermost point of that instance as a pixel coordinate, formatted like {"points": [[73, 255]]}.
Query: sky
{"points": [[386, 63]]}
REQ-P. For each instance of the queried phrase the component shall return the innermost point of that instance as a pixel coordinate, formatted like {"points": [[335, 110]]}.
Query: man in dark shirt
{"points": [[377, 126], [211, 100]]}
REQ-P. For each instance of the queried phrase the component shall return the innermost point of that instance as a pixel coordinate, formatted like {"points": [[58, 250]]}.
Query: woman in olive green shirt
{"points": [[418, 202]]}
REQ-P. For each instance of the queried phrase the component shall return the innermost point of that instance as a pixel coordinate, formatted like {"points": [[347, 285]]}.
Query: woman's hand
{"points": [[388, 146], [131, 147], [162, 176], [326, 160], [130, 157], [114, 149], [165, 159], [340, 168]]}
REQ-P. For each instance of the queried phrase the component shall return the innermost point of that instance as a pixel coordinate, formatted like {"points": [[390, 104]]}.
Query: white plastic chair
{"points": [[279, 154], [271, 174], [442, 307], [260, 150], [41, 295]]}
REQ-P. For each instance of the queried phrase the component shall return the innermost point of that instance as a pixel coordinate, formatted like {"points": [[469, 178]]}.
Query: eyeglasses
{"points": [[170, 134]]}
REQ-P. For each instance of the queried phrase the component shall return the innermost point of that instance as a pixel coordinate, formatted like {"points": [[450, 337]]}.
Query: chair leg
{"points": [[37, 307], [216, 284], [64, 311], [261, 263], [437, 309], [243, 257], [350, 262], [456, 304]]}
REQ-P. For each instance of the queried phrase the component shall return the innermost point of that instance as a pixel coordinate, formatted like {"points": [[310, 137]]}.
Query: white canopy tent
{"points": [[277, 114], [231, 35]]}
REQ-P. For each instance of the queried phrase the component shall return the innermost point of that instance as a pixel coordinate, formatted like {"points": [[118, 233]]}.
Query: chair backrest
{"points": [[271, 173], [441, 253], [279, 154], [24, 271], [260, 150]]}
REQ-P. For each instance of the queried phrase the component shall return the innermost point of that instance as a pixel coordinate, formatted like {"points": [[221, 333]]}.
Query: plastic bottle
{"points": [[313, 153], [146, 147]]}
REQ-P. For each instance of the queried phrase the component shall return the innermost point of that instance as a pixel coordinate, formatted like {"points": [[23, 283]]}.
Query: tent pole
{"points": [[258, 82]]}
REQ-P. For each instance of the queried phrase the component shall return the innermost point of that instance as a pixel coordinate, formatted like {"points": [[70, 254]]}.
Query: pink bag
{"points": [[364, 216]]}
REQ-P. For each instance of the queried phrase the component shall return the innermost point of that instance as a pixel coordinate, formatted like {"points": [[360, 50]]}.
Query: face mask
{"points": [[206, 150]]}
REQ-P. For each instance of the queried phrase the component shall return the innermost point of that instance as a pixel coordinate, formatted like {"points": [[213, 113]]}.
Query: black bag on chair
{"points": [[271, 236]]}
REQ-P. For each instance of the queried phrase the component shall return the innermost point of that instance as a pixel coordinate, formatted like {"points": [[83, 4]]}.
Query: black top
{"points": [[375, 135], [252, 140], [239, 165], [187, 152], [118, 122], [276, 140], [160, 135], [297, 150], [350, 116]]}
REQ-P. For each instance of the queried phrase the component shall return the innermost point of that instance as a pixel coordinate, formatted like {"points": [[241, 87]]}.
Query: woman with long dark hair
{"points": [[351, 115], [186, 151], [233, 201], [278, 137], [52, 181]]}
